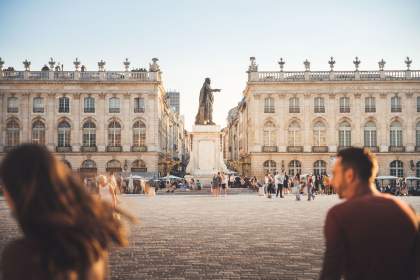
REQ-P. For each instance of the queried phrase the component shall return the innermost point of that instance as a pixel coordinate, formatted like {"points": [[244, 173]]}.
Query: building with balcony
{"points": [[296, 121], [94, 121]]}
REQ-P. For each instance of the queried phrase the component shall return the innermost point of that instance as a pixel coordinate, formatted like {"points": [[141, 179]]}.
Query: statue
{"points": [[205, 107]]}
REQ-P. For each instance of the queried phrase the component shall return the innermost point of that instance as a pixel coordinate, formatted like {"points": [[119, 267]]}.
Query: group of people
{"points": [[220, 183], [68, 232]]}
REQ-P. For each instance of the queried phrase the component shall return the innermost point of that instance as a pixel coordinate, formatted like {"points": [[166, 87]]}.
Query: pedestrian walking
{"points": [[296, 186], [310, 187]]}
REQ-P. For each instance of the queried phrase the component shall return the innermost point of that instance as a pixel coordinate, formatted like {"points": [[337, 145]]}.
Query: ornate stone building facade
{"points": [[296, 121], [95, 121]]}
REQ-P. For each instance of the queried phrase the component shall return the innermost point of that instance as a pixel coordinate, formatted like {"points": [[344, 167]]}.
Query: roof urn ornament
{"points": [[381, 64], [51, 63], [101, 65], [126, 64], [307, 65], [408, 62], [253, 67], [356, 63], [1, 64], [154, 67], [331, 62], [281, 63], [76, 63], [27, 64]]}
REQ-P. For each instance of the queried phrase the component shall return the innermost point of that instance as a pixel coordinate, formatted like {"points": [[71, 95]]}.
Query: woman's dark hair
{"points": [[73, 228]]}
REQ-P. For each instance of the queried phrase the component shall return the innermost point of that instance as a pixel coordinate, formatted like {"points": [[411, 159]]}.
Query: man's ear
{"points": [[349, 175]]}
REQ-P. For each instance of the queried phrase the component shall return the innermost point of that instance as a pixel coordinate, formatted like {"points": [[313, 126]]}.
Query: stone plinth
{"points": [[206, 156]]}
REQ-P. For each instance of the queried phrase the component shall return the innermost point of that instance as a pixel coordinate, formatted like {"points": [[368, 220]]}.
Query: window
{"points": [[139, 134], [395, 104], [418, 104], [88, 164], [294, 134], [138, 166], [38, 132], [370, 135], [320, 134], [12, 133], [344, 105], [114, 134], [320, 167], [396, 134], [64, 105], [38, 105], [138, 105], [113, 165], [396, 168], [370, 106], [12, 105], [418, 134], [418, 169], [64, 130], [89, 104], [269, 166], [269, 105], [89, 134], [319, 105], [294, 105], [295, 167], [114, 105], [269, 134], [344, 135]]}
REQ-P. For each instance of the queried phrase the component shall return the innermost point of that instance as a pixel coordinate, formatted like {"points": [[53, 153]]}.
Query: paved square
{"points": [[201, 237]]}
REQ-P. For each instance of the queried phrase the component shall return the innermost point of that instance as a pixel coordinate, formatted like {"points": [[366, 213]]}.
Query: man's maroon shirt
{"points": [[370, 237]]}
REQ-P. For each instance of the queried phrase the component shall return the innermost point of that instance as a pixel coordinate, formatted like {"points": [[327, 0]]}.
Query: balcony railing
{"points": [[373, 149], [320, 149], [114, 148], [417, 149], [294, 110], [139, 148], [9, 148], [319, 109], [396, 149], [295, 149], [269, 149], [138, 110], [370, 109], [396, 110], [339, 148], [344, 109], [88, 149], [12, 110], [63, 149]]}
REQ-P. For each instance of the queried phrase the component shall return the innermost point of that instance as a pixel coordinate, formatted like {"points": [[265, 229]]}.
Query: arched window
{"points": [[320, 134], [12, 105], [89, 134], [294, 105], [64, 130], [64, 105], [418, 169], [344, 105], [38, 105], [114, 134], [139, 134], [113, 166], [38, 132], [269, 105], [138, 166], [418, 134], [269, 166], [88, 164], [396, 168], [294, 134], [269, 134], [89, 104], [320, 167], [319, 106], [344, 134], [370, 135], [295, 167], [12, 133], [395, 104], [114, 105], [396, 134]]}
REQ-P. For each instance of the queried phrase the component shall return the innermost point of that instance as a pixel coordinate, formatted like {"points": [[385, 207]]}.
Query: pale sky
{"points": [[196, 39]]}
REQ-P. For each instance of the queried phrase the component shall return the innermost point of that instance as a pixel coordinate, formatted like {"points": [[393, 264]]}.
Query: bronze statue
{"points": [[205, 107]]}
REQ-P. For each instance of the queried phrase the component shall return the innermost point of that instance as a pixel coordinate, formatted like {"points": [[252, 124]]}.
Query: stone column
{"points": [[409, 110], [308, 110], [101, 128], [358, 122], [51, 131], [76, 130], [383, 122], [24, 117], [282, 123], [127, 122], [332, 133]]}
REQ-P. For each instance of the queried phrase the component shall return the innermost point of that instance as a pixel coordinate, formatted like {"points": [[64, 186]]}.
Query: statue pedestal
{"points": [[206, 157]]}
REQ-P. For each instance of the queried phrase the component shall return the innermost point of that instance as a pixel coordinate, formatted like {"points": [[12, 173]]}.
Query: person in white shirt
{"points": [[280, 184]]}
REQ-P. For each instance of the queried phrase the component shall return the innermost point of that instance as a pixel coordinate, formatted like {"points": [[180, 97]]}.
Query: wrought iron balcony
{"points": [[88, 149], [269, 149], [417, 149], [8, 148], [396, 149], [114, 148], [295, 149], [320, 149], [67, 149], [339, 148], [139, 148], [373, 149]]}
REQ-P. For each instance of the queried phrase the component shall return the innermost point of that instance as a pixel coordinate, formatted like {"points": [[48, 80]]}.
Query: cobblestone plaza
{"points": [[241, 236]]}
